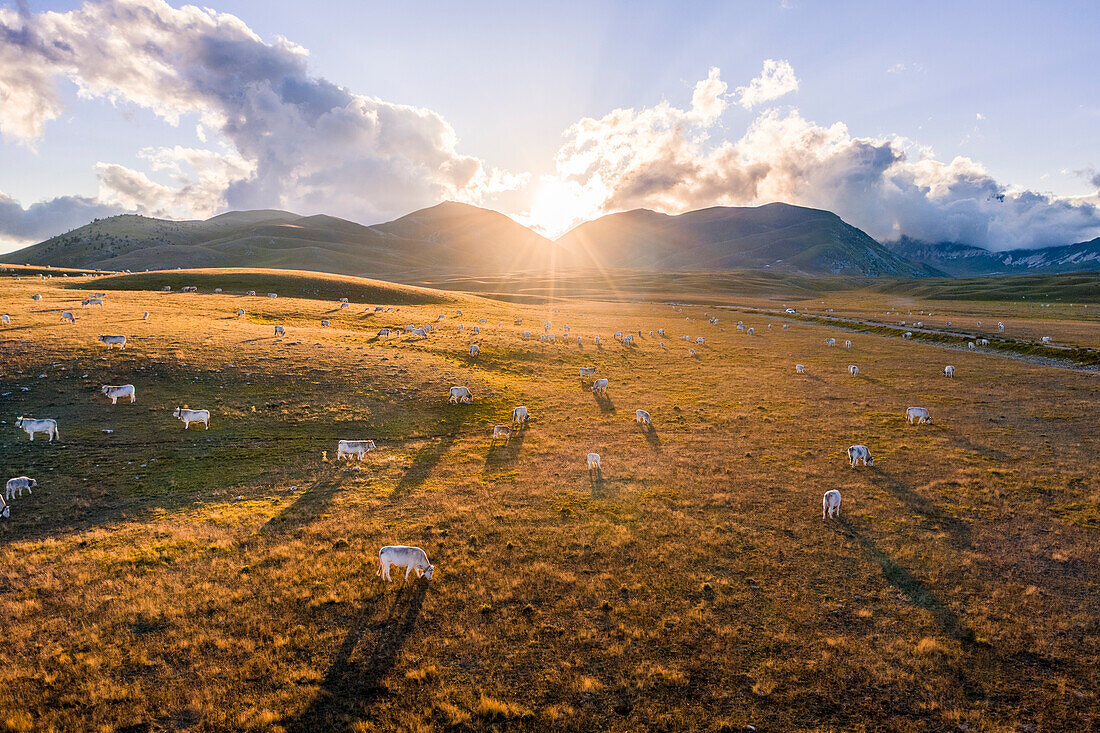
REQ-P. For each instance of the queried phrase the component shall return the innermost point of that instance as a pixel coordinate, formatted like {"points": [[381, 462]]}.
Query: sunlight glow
{"points": [[557, 206]]}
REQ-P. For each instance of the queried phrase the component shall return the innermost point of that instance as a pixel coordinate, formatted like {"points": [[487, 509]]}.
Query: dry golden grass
{"points": [[168, 580]]}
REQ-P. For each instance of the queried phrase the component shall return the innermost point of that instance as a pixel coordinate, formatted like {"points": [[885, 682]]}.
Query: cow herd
{"points": [[413, 558]]}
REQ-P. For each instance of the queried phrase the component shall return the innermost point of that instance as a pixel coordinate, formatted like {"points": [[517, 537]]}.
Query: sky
{"points": [[953, 121]]}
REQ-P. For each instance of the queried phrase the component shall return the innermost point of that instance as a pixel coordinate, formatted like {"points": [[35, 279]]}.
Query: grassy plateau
{"points": [[225, 579]]}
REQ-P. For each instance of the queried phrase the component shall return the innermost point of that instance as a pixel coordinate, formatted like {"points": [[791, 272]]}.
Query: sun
{"points": [[557, 206]]}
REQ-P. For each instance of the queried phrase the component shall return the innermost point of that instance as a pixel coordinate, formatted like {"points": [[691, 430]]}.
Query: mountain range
{"points": [[453, 239]]}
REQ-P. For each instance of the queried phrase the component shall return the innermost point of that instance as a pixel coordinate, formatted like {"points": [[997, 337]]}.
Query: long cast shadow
{"points": [[501, 455], [353, 681], [915, 590], [653, 438], [605, 404], [956, 528]]}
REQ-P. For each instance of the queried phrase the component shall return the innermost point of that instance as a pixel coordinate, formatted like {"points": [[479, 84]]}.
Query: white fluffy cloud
{"points": [[776, 80], [663, 158], [296, 141]]}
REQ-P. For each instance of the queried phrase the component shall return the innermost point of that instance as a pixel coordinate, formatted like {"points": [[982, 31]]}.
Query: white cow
{"points": [[918, 415], [750, 332], [475, 350], [691, 352], [907, 335], [357, 448], [345, 305], [45, 425], [240, 313], [594, 464], [461, 394], [1000, 326], [36, 298], [700, 340], [166, 289], [660, 332], [520, 417], [384, 332], [799, 369], [830, 504], [847, 344], [67, 316], [596, 340], [599, 386], [786, 326], [949, 371], [403, 556], [476, 330], [189, 289], [483, 320], [587, 372], [526, 335], [971, 345], [146, 316], [853, 369], [551, 338], [324, 323], [983, 342], [342, 300], [619, 335], [501, 431], [18, 484], [830, 342], [190, 416], [642, 417], [860, 453], [122, 390], [92, 301], [5, 511], [6, 319], [217, 290], [1045, 339], [628, 339], [461, 326], [110, 340]]}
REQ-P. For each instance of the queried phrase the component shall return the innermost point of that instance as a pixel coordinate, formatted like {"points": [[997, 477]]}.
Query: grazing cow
{"points": [[378, 309], [594, 464], [145, 317], [971, 345], [122, 390], [251, 293], [92, 301], [190, 416], [517, 321], [36, 298], [6, 319], [476, 330], [5, 511], [217, 290], [67, 316], [110, 340], [799, 369], [587, 372], [860, 453], [45, 425], [660, 332], [384, 332], [830, 504], [324, 323], [501, 431], [1045, 339], [356, 448], [526, 335], [403, 556], [700, 340], [853, 369], [983, 342], [830, 342], [461, 326], [520, 417], [475, 350], [240, 313], [273, 295], [461, 394], [847, 344], [907, 335], [551, 338], [918, 415], [691, 352], [750, 332], [596, 340], [483, 320], [345, 305], [619, 335], [642, 417], [189, 289], [166, 289], [342, 300], [786, 326], [18, 484], [280, 331], [949, 371], [546, 326], [979, 324], [579, 341], [599, 387], [628, 339], [1000, 326]]}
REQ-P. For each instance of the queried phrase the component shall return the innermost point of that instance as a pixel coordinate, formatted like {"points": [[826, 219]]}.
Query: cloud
{"points": [[775, 80], [662, 158], [22, 226], [295, 141]]}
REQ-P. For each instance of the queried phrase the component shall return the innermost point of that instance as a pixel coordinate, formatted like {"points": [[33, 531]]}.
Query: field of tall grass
{"points": [[225, 579]]}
